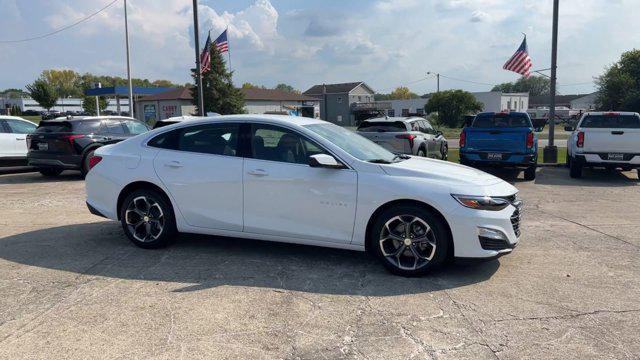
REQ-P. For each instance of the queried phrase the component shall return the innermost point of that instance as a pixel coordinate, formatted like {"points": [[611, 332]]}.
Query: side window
{"points": [[278, 144], [426, 127], [135, 127], [113, 127], [2, 127], [20, 127], [415, 126], [216, 139]]}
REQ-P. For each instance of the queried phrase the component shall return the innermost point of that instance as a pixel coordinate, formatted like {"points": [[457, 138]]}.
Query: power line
{"points": [[61, 29], [467, 81]]}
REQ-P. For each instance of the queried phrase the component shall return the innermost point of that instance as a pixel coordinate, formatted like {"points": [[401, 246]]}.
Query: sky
{"points": [[385, 43]]}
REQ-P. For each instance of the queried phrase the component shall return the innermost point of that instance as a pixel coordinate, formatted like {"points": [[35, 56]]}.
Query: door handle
{"points": [[174, 164], [19, 139], [257, 172], [617, 132], [106, 138]]}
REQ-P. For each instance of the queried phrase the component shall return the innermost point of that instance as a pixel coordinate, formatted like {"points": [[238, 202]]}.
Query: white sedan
{"points": [[305, 181], [13, 134]]}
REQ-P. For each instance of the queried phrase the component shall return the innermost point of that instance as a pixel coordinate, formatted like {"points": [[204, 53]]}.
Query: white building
{"points": [[62, 105], [491, 101], [586, 102]]}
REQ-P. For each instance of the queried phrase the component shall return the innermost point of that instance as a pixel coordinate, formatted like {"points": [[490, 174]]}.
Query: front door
{"points": [[284, 196], [200, 167]]}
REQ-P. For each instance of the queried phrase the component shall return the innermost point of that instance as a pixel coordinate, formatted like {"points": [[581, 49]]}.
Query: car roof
{"points": [[395, 119], [502, 112], [274, 119], [79, 118], [10, 117]]}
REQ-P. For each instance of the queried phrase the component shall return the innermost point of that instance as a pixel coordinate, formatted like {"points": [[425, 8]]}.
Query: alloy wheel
{"points": [[407, 242], [145, 219]]}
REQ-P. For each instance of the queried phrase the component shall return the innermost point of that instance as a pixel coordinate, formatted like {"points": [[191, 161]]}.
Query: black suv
{"points": [[68, 143]]}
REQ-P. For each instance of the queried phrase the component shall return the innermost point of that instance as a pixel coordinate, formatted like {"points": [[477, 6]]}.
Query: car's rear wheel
{"points": [[445, 152], [409, 240], [421, 153], [50, 172], [148, 220], [530, 173], [575, 169]]}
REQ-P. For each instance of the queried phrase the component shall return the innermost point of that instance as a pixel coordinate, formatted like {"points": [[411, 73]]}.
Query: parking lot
{"points": [[72, 285]]}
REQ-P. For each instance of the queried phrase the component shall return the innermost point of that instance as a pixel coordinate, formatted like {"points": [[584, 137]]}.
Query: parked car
{"points": [[406, 135], [301, 180], [31, 113], [500, 139], [68, 143], [13, 134], [604, 139]]}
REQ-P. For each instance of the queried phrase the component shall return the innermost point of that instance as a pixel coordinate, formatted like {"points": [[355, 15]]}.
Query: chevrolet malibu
{"points": [[305, 181]]}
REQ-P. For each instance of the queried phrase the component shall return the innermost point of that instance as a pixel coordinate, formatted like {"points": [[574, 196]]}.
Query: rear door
{"points": [[611, 133], [201, 168], [6, 140], [430, 138], [20, 129]]}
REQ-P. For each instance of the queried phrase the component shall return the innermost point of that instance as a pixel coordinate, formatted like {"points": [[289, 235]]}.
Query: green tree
{"points": [[534, 85], [219, 94], [43, 93], [287, 88], [249, 85], [64, 81], [89, 104], [402, 93], [451, 105], [619, 87]]}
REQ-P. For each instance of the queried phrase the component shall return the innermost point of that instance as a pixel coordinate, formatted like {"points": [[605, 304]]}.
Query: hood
{"points": [[454, 175]]}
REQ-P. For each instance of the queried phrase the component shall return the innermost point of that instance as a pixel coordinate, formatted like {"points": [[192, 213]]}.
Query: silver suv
{"points": [[406, 135]]}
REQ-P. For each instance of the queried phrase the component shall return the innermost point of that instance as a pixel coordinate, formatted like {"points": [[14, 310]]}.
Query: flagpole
{"points": [[228, 48], [198, 70]]}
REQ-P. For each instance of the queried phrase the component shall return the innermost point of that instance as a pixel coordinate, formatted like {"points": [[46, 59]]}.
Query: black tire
{"points": [[165, 217], [444, 152], [84, 168], [575, 169], [567, 162], [396, 217], [638, 173], [421, 153], [50, 172], [530, 173]]}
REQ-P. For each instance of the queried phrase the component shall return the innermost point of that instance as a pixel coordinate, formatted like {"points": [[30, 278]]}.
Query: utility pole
{"points": [[196, 33], [550, 152], [126, 33], [438, 80], [97, 86]]}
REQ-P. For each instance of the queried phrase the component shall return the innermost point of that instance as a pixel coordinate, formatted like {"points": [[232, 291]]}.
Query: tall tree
{"points": [[287, 88], [89, 104], [64, 81], [451, 105], [534, 85], [619, 86], [43, 93], [399, 93], [219, 94]]}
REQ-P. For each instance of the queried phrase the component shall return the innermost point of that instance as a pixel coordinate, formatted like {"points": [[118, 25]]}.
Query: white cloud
{"points": [[396, 5]]}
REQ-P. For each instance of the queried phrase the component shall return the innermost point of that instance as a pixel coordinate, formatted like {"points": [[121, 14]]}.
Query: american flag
{"points": [[205, 57], [222, 43], [520, 62]]}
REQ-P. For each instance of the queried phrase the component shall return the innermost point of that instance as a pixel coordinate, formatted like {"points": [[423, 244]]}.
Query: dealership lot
{"points": [[72, 285]]}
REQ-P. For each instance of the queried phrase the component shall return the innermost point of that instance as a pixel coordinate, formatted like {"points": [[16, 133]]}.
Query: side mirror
{"points": [[568, 128], [324, 161]]}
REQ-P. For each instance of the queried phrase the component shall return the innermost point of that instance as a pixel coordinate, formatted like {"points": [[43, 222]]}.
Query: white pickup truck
{"points": [[604, 139]]}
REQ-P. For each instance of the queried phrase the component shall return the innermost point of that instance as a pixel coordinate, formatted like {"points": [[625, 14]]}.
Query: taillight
{"points": [[409, 137], [94, 160], [530, 140], [463, 139], [580, 142], [71, 138]]}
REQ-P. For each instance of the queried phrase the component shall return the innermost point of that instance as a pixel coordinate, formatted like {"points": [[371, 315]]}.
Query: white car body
{"points": [[276, 201], [13, 143], [601, 143]]}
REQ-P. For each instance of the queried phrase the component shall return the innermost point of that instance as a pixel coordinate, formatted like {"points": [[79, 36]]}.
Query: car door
{"points": [[20, 129], [284, 196], [6, 140], [202, 170], [427, 137]]}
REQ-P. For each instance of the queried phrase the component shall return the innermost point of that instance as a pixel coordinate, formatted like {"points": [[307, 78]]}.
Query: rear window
{"points": [[611, 122], [52, 127], [382, 126], [501, 121]]}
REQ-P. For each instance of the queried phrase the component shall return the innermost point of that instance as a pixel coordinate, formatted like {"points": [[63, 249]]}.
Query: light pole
{"points": [[438, 79], [550, 152], [126, 33], [97, 86], [198, 72]]}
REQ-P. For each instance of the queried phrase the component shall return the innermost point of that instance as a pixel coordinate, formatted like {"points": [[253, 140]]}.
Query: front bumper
{"points": [[465, 224], [480, 158]]}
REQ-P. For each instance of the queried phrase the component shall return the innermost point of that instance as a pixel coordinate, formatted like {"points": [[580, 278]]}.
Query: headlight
{"points": [[481, 202]]}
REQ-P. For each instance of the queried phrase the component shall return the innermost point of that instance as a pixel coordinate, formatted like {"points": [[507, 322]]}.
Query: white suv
{"points": [[604, 139], [13, 138]]}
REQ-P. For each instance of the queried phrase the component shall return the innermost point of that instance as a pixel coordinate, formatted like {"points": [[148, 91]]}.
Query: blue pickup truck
{"points": [[500, 139]]}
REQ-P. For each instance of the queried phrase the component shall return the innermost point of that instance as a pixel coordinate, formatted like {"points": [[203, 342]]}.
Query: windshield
{"points": [[382, 126], [352, 143], [611, 122], [501, 121]]}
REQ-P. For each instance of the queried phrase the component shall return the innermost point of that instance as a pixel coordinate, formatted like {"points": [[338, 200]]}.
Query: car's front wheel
{"points": [[409, 240], [148, 220], [575, 169]]}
